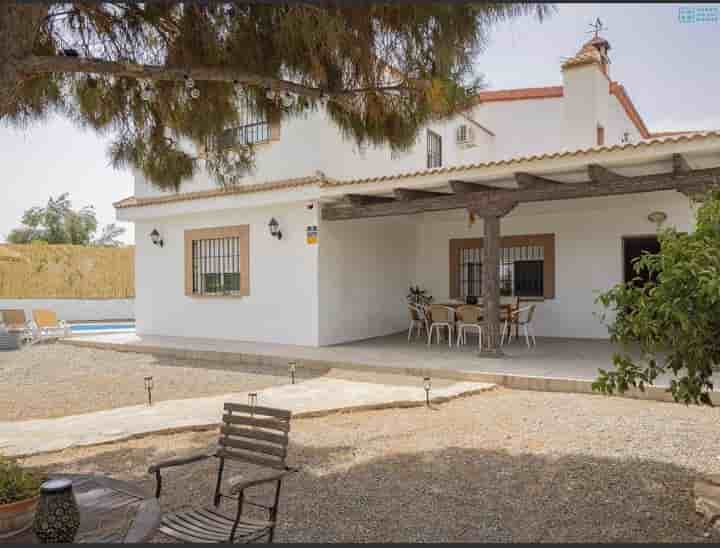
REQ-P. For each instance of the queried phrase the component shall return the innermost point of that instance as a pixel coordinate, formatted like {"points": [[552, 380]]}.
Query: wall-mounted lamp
{"points": [[155, 237], [274, 227], [657, 217]]}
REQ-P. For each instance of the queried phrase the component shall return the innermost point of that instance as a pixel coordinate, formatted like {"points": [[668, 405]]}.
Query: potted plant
{"points": [[19, 495], [418, 296]]}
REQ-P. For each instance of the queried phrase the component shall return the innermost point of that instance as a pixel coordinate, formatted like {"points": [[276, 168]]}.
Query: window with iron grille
{"points": [[434, 149], [521, 271], [217, 261], [526, 266], [253, 127]]}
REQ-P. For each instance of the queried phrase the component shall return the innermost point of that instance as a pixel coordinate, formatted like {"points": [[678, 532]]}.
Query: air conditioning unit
{"points": [[465, 136]]}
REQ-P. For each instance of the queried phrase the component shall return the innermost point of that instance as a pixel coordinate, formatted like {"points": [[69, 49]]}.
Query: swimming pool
{"points": [[102, 326]]}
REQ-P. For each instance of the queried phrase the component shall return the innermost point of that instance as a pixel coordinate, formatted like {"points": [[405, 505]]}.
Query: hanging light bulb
{"points": [[195, 93], [189, 82], [287, 100]]}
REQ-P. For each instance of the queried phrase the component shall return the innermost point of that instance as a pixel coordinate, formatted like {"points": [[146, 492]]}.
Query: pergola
{"points": [[491, 203]]}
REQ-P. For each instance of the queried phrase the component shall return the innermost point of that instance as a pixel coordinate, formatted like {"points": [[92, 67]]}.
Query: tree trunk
{"points": [[491, 284], [19, 25]]}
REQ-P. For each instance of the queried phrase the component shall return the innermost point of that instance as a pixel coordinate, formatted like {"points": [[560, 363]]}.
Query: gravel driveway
{"points": [[54, 380], [502, 466]]}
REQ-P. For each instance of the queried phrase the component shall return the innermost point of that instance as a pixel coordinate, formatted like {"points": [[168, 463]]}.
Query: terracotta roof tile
{"points": [[283, 184], [322, 181], [521, 159], [519, 94]]}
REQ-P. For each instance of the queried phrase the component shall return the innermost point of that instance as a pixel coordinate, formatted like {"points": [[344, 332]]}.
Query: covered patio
{"points": [[555, 364], [569, 220]]}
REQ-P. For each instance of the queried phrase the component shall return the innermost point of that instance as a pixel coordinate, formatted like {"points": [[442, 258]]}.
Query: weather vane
{"points": [[597, 27]]}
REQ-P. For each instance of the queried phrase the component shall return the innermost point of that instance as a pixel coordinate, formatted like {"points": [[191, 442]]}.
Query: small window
{"points": [[217, 261], [434, 150], [600, 135]]}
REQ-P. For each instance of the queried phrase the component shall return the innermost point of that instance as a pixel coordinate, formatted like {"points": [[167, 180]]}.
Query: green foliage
{"points": [[394, 67], [16, 483], [674, 321], [416, 295], [58, 223]]}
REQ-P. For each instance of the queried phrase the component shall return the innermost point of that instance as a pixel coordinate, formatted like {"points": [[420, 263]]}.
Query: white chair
{"points": [[523, 318], [418, 320], [468, 317], [441, 317]]}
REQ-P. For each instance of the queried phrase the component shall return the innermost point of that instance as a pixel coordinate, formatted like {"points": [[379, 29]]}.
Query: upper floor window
{"points": [[434, 149], [600, 137], [253, 127]]}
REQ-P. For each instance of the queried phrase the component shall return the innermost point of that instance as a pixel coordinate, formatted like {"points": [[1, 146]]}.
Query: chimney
{"points": [[586, 90]]}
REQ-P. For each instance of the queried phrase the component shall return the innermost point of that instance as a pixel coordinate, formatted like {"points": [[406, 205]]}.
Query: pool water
{"points": [[85, 327]]}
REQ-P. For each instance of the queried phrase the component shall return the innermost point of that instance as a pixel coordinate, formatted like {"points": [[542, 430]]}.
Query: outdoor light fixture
{"points": [[146, 94], [657, 217], [189, 82], [155, 237], [274, 227], [427, 385], [252, 401], [287, 100], [149, 385], [291, 367], [195, 93]]}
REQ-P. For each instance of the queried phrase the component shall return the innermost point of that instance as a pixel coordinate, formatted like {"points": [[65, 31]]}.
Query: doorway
{"points": [[634, 247]]}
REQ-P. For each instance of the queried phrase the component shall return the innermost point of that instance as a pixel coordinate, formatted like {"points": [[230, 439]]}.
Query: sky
{"points": [[668, 68]]}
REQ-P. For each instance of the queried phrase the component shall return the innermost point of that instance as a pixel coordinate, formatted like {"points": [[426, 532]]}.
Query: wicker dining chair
{"points": [[441, 317], [469, 317], [418, 320], [250, 435]]}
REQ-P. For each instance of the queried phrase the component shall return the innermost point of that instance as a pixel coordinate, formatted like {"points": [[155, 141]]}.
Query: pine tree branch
{"points": [[36, 64]]}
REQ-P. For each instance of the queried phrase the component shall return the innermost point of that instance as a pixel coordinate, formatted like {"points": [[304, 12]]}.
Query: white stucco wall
{"points": [[588, 248], [77, 309], [282, 305], [365, 269]]}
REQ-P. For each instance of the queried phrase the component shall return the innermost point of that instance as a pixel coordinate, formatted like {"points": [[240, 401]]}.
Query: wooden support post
{"points": [[491, 284]]}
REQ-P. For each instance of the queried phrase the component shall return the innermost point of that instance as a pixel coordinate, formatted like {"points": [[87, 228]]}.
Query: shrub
{"points": [[674, 320]]}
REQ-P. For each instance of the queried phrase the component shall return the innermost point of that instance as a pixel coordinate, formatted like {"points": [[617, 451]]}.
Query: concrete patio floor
{"points": [[563, 365]]}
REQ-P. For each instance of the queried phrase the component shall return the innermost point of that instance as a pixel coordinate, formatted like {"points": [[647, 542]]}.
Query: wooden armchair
{"points": [[248, 434]]}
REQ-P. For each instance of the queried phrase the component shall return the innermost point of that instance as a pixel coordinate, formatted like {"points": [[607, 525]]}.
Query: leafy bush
{"points": [[675, 319], [16, 483]]}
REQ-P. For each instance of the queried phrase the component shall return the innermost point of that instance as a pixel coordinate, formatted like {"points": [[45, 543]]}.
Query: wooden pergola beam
{"points": [[528, 180], [600, 174], [463, 187], [680, 165], [415, 194], [494, 202], [367, 199]]}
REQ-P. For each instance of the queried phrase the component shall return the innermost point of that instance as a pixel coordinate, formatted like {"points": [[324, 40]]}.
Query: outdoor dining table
{"points": [[110, 511], [505, 309]]}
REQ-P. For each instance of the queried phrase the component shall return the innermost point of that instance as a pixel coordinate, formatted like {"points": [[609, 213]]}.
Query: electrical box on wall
{"points": [[312, 235]]}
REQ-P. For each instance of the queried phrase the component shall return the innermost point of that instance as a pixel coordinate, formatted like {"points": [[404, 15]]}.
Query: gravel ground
{"points": [[502, 466], [54, 380]]}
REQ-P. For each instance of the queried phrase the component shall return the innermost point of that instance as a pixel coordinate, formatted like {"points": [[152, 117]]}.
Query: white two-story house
{"points": [[586, 180]]}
